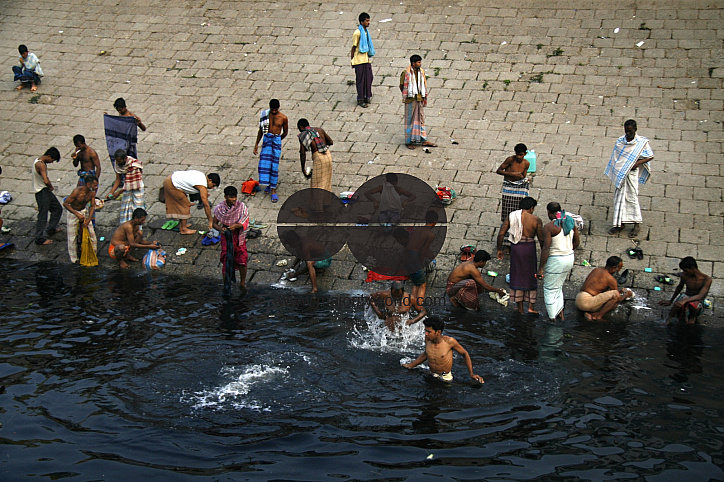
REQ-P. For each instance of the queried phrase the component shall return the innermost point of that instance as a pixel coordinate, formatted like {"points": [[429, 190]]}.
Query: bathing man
{"points": [[465, 282], [438, 352], [81, 204], [689, 304], [127, 236], [599, 293], [395, 304]]}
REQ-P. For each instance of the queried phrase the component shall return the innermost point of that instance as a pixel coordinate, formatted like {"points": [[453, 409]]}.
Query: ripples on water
{"points": [[119, 375]]}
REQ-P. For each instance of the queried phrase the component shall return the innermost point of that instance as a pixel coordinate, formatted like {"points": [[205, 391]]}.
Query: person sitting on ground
{"points": [[599, 293], [465, 282], [178, 185], [310, 254], [690, 303], [396, 304], [81, 205], [128, 236], [29, 71], [438, 352]]}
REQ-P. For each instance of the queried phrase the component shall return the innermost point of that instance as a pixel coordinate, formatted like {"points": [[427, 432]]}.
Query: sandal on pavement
{"points": [[623, 278], [274, 198], [635, 231], [614, 230], [664, 279]]}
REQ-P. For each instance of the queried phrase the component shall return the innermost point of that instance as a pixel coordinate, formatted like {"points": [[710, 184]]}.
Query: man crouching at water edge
{"points": [[689, 304], [438, 352], [396, 303], [465, 282], [599, 293], [128, 236]]}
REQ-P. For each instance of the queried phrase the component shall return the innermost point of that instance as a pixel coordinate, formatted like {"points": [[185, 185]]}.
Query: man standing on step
{"points": [[273, 127], [362, 51], [627, 168]]}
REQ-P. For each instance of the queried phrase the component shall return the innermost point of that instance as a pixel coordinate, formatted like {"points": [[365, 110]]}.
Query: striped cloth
{"points": [[230, 215], [131, 173], [271, 152], [415, 130], [464, 292], [513, 192], [132, 199], [624, 155], [310, 135], [264, 121]]}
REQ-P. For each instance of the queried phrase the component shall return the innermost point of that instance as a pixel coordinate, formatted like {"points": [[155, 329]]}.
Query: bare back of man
{"points": [[532, 224], [598, 282], [420, 241], [125, 236], [694, 282]]}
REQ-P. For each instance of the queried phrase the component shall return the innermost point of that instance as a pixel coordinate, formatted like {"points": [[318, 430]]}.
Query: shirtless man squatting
{"points": [[128, 236]]}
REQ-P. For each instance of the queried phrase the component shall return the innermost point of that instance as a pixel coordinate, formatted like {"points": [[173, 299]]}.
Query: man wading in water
{"points": [[438, 352]]}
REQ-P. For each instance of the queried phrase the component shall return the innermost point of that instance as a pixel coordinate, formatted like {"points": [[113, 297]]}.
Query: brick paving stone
{"points": [[201, 111]]}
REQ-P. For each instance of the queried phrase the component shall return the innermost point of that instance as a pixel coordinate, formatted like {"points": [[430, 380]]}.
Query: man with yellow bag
{"points": [[81, 205]]}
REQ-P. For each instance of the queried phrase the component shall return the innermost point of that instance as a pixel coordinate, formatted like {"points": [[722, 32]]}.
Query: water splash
{"points": [[235, 393], [639, 302], [373, 335]]}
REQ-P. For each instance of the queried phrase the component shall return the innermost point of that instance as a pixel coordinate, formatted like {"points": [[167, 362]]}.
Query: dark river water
{"points": [[120, 376]]}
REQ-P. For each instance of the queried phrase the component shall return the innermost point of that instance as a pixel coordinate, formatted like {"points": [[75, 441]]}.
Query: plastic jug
{"points": [[530, 157]]}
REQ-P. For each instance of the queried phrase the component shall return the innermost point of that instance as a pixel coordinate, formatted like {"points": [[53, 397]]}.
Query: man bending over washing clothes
{"points": [[465, 283]]}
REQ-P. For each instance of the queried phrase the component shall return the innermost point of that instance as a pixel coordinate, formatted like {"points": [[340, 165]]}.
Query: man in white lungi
{"points": [[630, 153]]}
